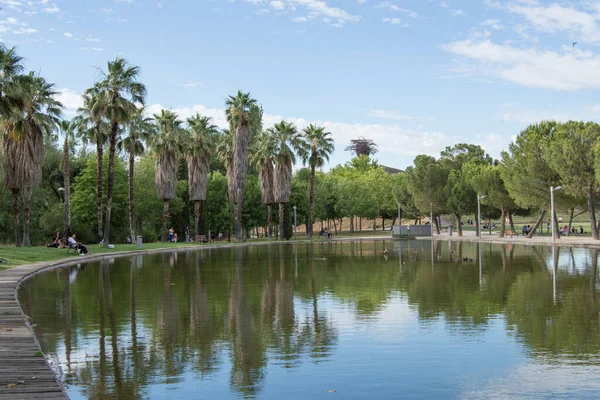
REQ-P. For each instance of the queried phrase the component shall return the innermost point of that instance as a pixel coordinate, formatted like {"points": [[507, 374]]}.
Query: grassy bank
{"points": [[29, 255]]}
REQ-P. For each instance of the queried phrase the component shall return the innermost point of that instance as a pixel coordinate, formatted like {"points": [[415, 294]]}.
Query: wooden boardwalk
{"points": [[24, 373]]}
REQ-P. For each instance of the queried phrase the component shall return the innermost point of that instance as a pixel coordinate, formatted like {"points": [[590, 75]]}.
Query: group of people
{"points": [[68, 242], [173, 236], [325, 233]]}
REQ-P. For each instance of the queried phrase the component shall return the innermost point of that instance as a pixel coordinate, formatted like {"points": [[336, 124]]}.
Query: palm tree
{"points": [[68, 129], [141, 130], [200, 140], [119, 92], [240, 110], [286, 140], [23, 140], [10, 67], [262, 159], [167, 147], [94, 128], [224, 150], [315, 149]]}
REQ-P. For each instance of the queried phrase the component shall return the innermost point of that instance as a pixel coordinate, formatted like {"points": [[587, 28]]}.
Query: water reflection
{"points": [[293, 320]]}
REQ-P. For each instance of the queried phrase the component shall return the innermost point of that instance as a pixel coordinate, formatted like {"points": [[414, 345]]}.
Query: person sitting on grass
{"points": [[74, 244], [56, 241], [581, 229], [171, 234]]}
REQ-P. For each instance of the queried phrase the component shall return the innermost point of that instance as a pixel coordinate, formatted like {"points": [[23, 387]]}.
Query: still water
{"points": [[448, 320]]}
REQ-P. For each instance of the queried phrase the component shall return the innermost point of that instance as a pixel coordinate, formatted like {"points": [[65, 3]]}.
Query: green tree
{"points": [[262, 160], [314, 150], [68, 130], [526, 171], [427, 181], [84, 194], [140, 131], [166, 146], [119, 91], [240, 110], [198, 151], [286, 141], [23, 141], [93, 127], [572, 154]]}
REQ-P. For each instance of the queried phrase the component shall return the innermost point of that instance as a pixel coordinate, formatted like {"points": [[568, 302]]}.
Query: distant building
{"points": [[392, 171]]}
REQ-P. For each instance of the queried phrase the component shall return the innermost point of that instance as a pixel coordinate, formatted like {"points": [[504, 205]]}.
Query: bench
{"points": [[201, 239], [509, 233]]}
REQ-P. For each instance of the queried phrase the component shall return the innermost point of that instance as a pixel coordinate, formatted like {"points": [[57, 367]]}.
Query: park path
{"points": [[24, 372]]}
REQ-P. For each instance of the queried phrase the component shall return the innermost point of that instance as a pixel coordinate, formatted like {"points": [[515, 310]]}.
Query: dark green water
{"points": [[293, 321]]}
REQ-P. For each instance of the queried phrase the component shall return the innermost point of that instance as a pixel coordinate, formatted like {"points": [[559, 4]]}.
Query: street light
{"points": [[431, 225], [479, 198], [294, 222], [552, 190]]}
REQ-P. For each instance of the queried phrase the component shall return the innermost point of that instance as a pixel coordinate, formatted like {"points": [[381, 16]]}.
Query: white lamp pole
{"points": [[294, 222], [479, 198], [431, 220], [552, 190]]}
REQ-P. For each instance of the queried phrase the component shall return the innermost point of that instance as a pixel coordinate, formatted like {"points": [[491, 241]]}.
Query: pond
{"points": [[298, 321]]}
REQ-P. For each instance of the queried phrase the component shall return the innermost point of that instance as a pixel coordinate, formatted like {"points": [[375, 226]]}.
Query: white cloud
{"points": [[569, 69], [68, 35], [393, 21], [192, 84], [458, 13], [394, 138], [277, 5], [314, 9], [70, 100], [24, 31], [391, 6], [394, 115], [52, 9]]}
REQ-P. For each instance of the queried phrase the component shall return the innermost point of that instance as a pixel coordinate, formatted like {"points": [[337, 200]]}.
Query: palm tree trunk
{"points": [[131, 197], [311, 198], [26, 215], [270, 220], [281, 221], [196, 218], [16, 214], [237, 223], [67, 187], [100, 155], [163, 237], [111, 181]]}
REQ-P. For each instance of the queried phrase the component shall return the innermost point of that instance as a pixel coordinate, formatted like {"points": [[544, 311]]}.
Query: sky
{"points": [[413, 75]]}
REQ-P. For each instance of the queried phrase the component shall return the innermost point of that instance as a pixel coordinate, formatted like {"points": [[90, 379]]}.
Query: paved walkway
{"points": [[470, 236], [24, 373]]}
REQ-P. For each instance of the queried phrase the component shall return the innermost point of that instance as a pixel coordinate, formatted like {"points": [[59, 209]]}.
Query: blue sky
{"points": [[413, 75]]}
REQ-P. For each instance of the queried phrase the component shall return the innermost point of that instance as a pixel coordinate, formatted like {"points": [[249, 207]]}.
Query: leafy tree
{"points": [[427, 183], [240, 111], [198, 150], [404, 198], [262, 160], [119, 90], [140, 131], [167, 148], [24, 128], [572, 155], [84, 194], [526, 171], [286, 141], [68, 129], [93, 127], [314, 150]]}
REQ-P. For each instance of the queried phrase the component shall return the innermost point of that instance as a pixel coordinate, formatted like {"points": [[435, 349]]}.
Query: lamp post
{"points": [[479, 198], [431, 204], [295, 223], [552, 190]]}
